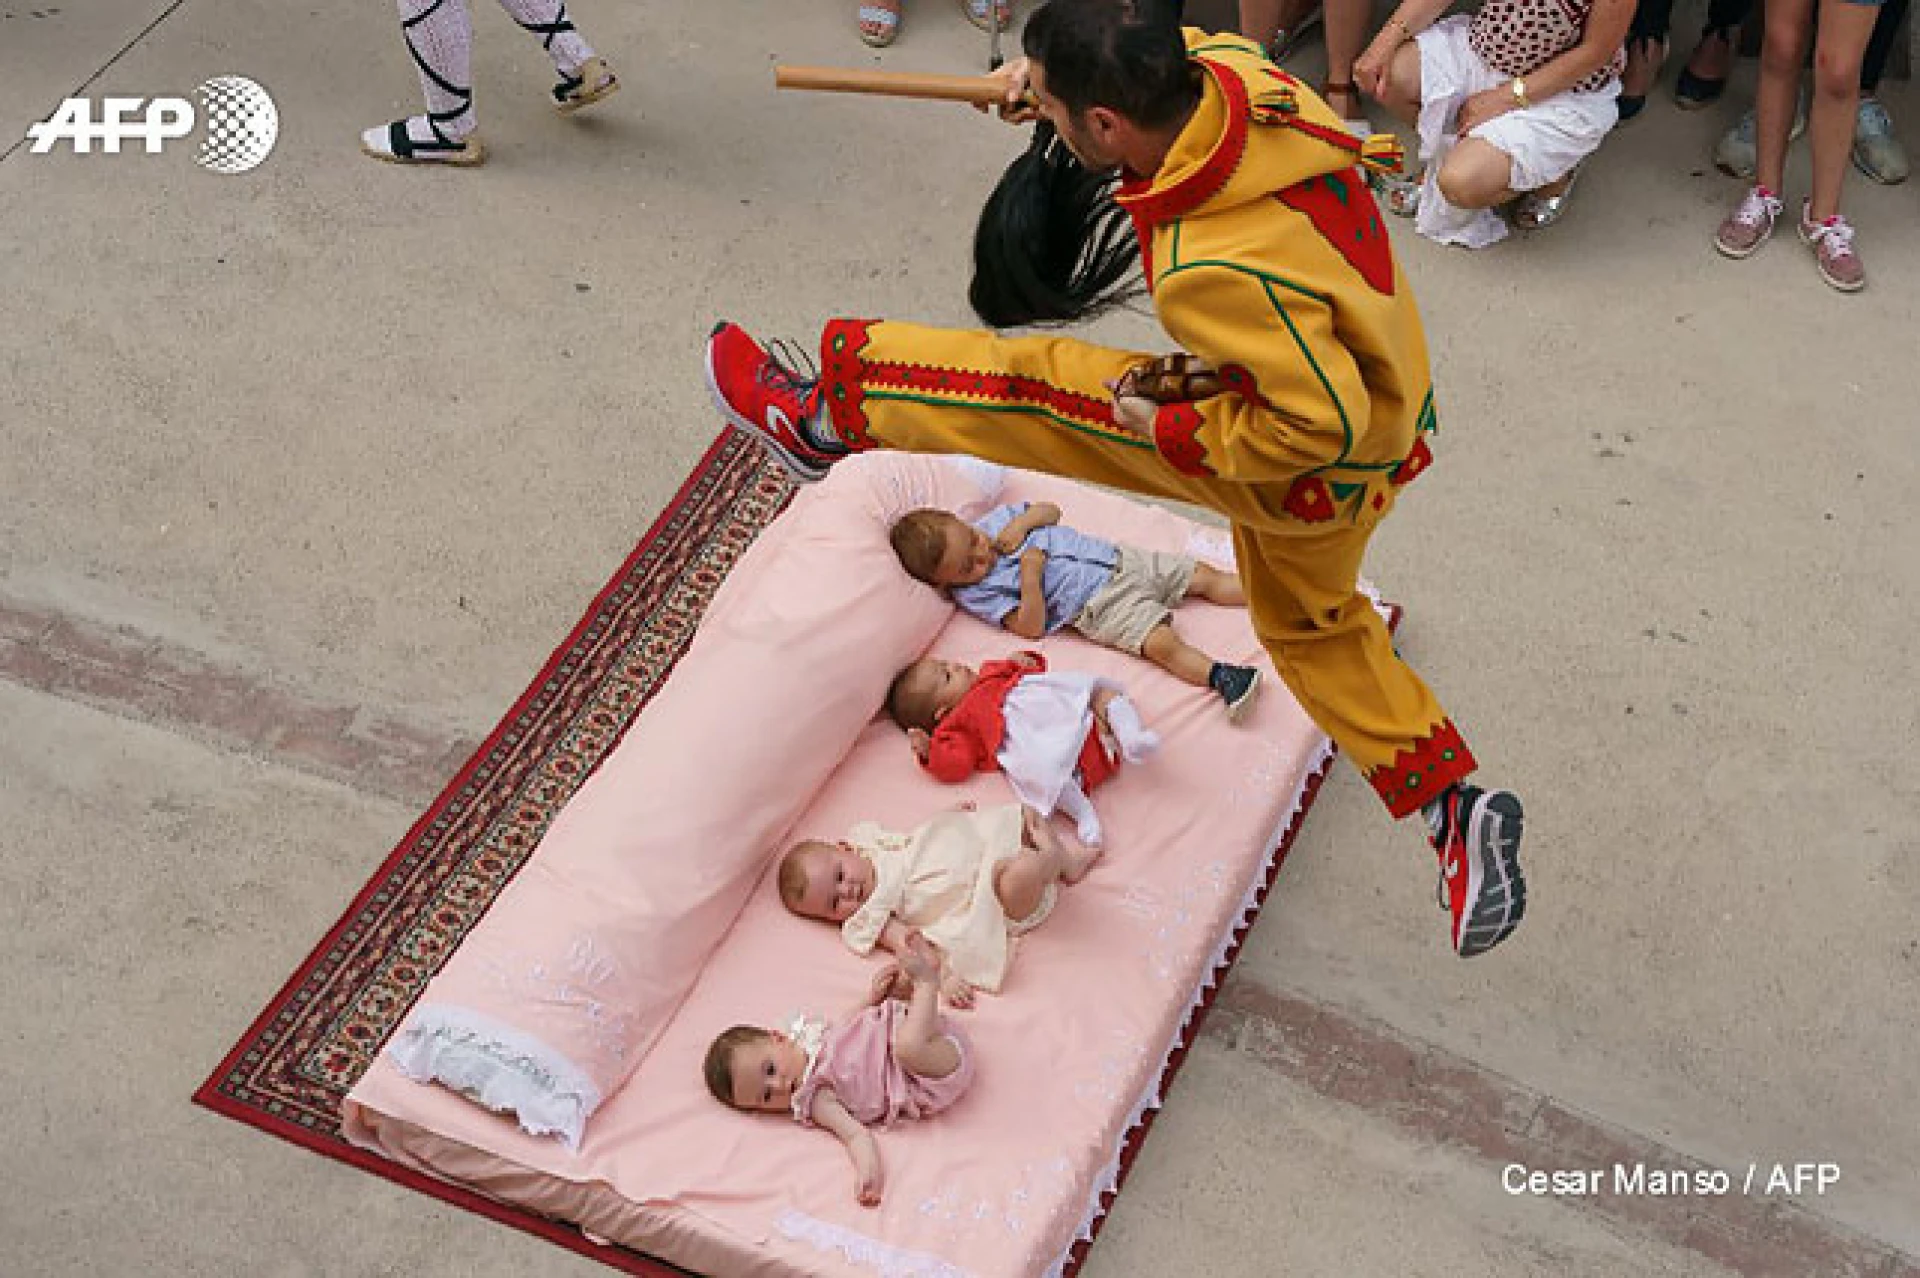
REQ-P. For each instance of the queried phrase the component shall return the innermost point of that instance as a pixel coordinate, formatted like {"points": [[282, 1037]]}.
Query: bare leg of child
{"points": [[1166, 649], [918, 1044], [1021, 882], [1117, 717], [1216, 585]]}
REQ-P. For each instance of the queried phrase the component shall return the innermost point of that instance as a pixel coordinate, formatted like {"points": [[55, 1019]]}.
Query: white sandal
{"points": [[394, 145]]}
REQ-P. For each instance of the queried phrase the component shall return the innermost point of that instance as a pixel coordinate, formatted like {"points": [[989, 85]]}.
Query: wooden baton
{"points": [[982, 90]]}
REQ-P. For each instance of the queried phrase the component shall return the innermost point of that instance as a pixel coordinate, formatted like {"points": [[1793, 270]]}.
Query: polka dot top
{"points": [[1518, 37]]}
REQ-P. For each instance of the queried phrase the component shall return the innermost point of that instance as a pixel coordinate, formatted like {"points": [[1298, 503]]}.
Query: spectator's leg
{"points": [[1844, 29], [1476, 175], [1401, 93], [1347, 22], [439, 36], [1704, 78], [1789, 26], [1260, 19], [548, 19], [1886, 30], [1876, 151], [1646, 50]]}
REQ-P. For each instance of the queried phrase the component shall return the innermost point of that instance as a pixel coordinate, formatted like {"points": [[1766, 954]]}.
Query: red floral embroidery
{"points": [[1416, 463], [1176, 428], [1238, 380], [1309, 501], [848, 374], [1422, 770], [1342, 210], [840, 367]]}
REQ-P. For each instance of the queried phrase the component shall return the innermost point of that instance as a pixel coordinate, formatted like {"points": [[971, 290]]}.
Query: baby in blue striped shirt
{"points": [[1021, 569]]}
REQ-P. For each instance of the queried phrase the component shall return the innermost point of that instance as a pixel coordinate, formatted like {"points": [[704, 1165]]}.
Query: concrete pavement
{"points": [[352, 437]]}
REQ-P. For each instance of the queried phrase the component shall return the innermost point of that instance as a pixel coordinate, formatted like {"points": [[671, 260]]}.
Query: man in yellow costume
{"points": [[1267, 261]]}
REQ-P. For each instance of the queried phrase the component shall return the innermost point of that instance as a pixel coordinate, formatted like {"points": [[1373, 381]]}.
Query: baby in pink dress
{"points": [[890, 1059]]}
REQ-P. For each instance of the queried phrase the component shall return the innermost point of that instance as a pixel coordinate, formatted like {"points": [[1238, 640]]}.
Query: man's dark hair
{"points": [[1125, 55]]}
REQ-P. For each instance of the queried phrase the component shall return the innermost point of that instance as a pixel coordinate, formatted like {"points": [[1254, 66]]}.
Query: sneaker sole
{"points": [[1495, 884], [1876, 175], [474, 155], [1844, 286], [587, 97], [794, 466], [1237, 710], [1741, 254]]}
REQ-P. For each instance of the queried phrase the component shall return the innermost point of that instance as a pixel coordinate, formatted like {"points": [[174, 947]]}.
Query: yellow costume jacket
{"points": [[1267, 258]]}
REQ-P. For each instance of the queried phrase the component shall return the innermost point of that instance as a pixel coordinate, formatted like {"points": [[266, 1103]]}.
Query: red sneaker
{"points": [[767, 398], [1478, 839]]}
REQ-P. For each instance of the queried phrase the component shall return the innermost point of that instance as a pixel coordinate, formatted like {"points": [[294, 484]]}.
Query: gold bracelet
{"points": [[1520, 92]]}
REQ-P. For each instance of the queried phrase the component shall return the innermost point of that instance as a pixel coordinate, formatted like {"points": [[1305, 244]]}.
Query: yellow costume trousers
{"points": [[1042, 404]]}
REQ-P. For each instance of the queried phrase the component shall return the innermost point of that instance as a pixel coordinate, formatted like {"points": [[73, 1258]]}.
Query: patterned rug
{"points": [[288, 1074], [302, 1055]]}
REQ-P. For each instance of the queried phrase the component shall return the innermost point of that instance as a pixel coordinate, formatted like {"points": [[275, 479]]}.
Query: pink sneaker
{"points": [[1832, 242], [1750, 225]]}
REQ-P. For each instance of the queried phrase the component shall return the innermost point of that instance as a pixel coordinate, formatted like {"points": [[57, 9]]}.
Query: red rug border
{"points": [[621, 1258]]}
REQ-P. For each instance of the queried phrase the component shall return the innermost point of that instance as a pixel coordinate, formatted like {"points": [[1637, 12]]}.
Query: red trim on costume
{"points": [[1309, 500], [1415, 465], [1132, 187], [1175, 433], [1189, 193], [1423, 770], [840, 345], [1001, 388]]}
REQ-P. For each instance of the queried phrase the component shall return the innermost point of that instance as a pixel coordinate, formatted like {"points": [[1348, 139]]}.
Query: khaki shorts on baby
{"points": [[1145, 588]]}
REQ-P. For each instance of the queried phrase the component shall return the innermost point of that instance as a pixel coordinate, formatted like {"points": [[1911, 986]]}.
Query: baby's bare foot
{"points": [[1077, 859]]}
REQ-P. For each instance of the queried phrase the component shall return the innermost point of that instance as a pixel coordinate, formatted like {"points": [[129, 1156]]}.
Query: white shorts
{"points": [[1542, 142]]}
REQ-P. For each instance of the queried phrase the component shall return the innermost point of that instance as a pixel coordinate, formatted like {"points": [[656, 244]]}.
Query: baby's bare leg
{"points": [[1023, 881], [1166, 649], [918, 1044], [1216, 586]]}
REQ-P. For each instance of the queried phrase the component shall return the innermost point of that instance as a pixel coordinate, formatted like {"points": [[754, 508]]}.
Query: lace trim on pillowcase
{"points": [[498, 1067]]}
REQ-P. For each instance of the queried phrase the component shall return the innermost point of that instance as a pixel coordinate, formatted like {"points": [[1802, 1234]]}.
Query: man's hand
{"points": [[1485, 105], [1132, 413], [921, 743], [1017, 104], [1371, 67]]}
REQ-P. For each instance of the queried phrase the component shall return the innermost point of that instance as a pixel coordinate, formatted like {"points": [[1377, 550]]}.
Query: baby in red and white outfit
{"points": [[1056, 735]]}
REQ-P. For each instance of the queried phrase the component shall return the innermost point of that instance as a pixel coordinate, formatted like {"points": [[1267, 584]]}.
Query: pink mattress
{"points": [[1070, 1054]]}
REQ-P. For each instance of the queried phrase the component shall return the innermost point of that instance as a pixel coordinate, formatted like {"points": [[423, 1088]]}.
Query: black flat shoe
{"points": [[1690, 91]]}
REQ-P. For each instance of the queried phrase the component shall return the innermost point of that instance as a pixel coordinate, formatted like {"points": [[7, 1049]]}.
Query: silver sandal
{"points": [[1535, 211]]}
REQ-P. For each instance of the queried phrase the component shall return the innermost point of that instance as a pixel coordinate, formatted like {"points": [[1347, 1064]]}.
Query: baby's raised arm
{"points": [[1038, 515], [868, 1176]]}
